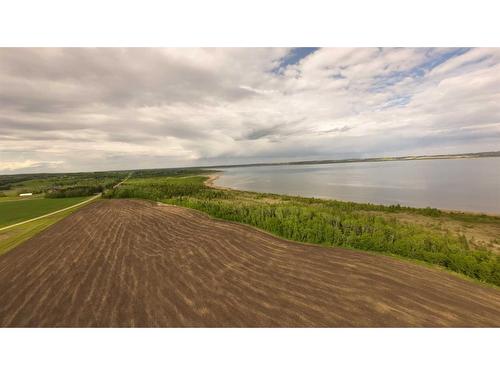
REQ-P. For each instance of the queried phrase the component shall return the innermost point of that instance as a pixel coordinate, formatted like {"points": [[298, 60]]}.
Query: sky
{"points": [[81, 109]]}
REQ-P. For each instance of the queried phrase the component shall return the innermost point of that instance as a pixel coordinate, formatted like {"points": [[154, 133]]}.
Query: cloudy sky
{"points": [[102, 109]]}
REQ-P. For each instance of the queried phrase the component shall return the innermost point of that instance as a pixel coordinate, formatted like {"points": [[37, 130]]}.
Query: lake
{"points": [[455, 184]]}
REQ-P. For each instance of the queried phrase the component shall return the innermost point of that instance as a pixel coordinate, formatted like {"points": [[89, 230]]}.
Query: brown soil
{"points": [[125, 263]]}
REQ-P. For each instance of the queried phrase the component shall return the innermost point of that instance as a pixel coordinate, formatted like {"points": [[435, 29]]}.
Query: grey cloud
{"points": [[117, 77], [255, 131]]}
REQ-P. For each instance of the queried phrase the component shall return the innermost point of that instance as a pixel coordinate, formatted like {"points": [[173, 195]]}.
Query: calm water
{"points": [[457, 184]]}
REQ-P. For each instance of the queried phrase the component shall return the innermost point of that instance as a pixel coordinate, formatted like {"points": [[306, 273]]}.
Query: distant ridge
{"points": [[488, 154]]}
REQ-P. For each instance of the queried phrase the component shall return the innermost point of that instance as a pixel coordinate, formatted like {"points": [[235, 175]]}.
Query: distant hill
{"points": [[380, 159]]}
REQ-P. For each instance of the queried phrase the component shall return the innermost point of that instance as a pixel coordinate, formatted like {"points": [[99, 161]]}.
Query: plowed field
{"points": [[127, 263]]}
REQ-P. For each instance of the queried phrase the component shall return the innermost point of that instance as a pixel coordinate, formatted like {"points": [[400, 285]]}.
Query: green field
{"points": [[12, 212], [12, 237], [463, 243]]}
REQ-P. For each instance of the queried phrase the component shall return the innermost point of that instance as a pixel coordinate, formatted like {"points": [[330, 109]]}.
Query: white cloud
{"points": [[9, 166], [139, 108]]}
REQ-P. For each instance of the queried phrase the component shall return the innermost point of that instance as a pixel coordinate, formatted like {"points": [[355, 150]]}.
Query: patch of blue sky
{"points": [[436, 60], [386, 80], [294, 57], [397, 101]]}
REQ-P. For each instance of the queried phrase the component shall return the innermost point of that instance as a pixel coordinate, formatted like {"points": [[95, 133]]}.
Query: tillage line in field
{"points": [[131, 263]]}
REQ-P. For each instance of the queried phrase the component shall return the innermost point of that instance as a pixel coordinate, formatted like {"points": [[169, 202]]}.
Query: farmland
{"points": [[150, 256], [134, 263]]}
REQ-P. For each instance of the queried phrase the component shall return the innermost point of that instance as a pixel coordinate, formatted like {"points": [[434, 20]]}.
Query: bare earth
{"points": [[126, 263]]}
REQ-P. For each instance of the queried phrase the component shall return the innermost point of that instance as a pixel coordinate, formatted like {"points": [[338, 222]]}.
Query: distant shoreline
{"points": [[210, 182], [477, 155]]}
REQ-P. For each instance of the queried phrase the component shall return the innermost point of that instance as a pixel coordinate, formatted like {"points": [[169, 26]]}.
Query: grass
{"points": [[334, 223], [15, 211], [10, 238]]}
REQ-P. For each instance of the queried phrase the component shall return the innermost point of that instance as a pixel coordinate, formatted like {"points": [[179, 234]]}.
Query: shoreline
{"points": [[210, 182]]}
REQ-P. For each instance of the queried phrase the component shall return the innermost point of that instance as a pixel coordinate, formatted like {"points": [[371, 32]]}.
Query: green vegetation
{"points": [[12, 237], [328, 222], [170, 172], [15, 211], [60, 185], [76, 191], [160, 188]]}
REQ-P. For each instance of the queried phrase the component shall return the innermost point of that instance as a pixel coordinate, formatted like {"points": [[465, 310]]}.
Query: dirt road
{"points": [[124, 263]]}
